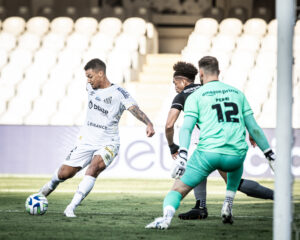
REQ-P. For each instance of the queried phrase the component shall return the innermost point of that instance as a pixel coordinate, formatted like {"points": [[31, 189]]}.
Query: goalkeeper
{"points": [[223, 114], [184, 77]]}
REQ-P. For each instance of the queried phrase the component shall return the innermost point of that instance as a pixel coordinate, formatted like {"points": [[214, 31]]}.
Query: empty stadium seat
{"points": [[2, 107], [248, 43], [27, 90], [243, 60], [231, 26], [223, 43], [69, 60], [272, 27], [94, 53], [3, 58], [62, 25], [38, 25], [45, 59], [134, 26], [86, 26], [102, 42], [43, 109], [61, 118], [77, 42], [269, 43], [7, 91], [260, 76], [11, 74], [14, 25], [199, 42], [110, 26], [53, 91], [223, 58], [18, 108], [29, 41], [267, 60], [207, 26], [236, 77], [126, 43], [53, 41], [60, 75], [7, 41], [20, 58], [255, 26], [35, 75], [297, 28]]}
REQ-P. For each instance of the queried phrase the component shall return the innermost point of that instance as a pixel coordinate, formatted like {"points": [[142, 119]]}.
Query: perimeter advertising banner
{"points": [[41, 149]]}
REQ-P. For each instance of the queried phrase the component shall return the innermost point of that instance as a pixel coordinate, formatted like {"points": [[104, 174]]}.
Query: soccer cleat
{"points": [[46, 190], [159, 223], [69, 212], [226, 213], [194, 213]]}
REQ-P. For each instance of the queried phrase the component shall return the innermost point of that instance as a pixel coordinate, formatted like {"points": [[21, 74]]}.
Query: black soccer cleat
{"points": [[194, 213], [227, 219]]}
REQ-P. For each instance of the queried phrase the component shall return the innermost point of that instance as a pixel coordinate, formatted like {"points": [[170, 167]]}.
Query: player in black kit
{"points": [[183, 79]]}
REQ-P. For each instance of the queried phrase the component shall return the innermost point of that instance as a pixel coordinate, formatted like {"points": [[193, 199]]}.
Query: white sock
{"points": [[54, 181], [169, 212], [84, 187], [229, 197]]}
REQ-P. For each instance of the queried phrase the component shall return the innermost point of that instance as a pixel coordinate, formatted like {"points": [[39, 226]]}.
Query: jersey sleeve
{"points": [[191, 106], [246, 107], [126, 98], [178, 102]]}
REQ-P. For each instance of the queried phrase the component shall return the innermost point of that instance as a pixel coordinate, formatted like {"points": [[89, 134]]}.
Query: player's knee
{"points": [[65, 173]]}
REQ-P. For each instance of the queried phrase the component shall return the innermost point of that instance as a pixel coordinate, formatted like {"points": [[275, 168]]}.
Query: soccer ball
{"points": [[36, 204]]}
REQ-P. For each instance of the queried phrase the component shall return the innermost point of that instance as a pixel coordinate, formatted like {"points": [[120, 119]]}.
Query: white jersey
{"points": [[105, 107]]}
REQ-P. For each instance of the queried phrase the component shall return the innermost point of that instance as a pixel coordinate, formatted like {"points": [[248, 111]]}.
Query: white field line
{"points": [[107, 213], [12, 190]]}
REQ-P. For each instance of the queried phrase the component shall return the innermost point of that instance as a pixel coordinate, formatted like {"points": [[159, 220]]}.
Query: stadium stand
{"points": [[42, 59]]}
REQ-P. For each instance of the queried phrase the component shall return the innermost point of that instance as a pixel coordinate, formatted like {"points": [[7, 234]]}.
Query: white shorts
{"points": [[82, 155]]}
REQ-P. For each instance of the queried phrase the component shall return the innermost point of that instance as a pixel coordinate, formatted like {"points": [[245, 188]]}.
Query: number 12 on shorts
{"points": [[231, 110]]}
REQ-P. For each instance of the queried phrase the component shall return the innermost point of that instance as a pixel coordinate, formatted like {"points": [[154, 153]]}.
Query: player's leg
{"points": [[100, 161], [252, 188], [233, 165], [199, 211], [195, 173], [171, 204]]}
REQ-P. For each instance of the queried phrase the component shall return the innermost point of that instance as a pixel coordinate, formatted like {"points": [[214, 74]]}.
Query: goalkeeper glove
{"points": [[180, 164], [270, 155], [173, 148]]}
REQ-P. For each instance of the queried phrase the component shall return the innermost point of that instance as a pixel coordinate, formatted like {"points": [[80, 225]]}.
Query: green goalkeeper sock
{"points": [[173, 199]]}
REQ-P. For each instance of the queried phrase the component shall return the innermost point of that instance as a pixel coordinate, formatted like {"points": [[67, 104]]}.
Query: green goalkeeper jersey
{"points": [[220, 110]]}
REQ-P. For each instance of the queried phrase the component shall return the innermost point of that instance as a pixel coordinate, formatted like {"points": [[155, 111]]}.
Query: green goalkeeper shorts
{"points": [[201, 164]]}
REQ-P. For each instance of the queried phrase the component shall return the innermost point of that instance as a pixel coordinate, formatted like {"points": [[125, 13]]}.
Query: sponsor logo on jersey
{"points": [[107, 100], [90, 104], [124, 92], [96, 125], [98, 99], [110, 151], [190, 90], [97, 107], [224, 91]]}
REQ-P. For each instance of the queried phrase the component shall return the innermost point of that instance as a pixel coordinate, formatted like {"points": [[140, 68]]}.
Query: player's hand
{"points": [[253, 143], [270, 155], [179, 164], [174, 150], [150, 130]]}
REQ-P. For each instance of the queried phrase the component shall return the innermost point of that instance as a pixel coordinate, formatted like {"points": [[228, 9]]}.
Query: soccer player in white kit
{"points": [[98, 142]]}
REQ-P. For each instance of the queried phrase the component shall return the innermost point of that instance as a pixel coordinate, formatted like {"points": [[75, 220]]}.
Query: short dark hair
{"points": [[95, 64], [209, 64], [185, 69]]}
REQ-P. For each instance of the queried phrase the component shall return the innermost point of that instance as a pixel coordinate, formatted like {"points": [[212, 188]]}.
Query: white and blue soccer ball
{"points": [[36, 204]]}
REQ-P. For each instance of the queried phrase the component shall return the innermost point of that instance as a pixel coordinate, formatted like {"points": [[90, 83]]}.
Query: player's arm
{"points": [[140, 115], [186, 131], [259, 137], [169, 130]]}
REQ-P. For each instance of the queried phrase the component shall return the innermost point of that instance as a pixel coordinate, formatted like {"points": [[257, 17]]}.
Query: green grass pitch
{"points": [[120, 209]]}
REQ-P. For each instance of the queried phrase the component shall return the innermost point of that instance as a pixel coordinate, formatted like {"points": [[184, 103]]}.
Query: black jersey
{"points": [[179, 99]]}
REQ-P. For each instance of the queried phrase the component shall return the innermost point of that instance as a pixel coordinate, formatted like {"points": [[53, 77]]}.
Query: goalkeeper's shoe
{"points": [[69, 212], [46, 190], [159, 223], [194, 213], [226, 213]]}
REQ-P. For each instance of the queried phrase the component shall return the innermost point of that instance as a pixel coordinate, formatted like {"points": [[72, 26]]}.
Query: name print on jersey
{"points": [[97, 107]]}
